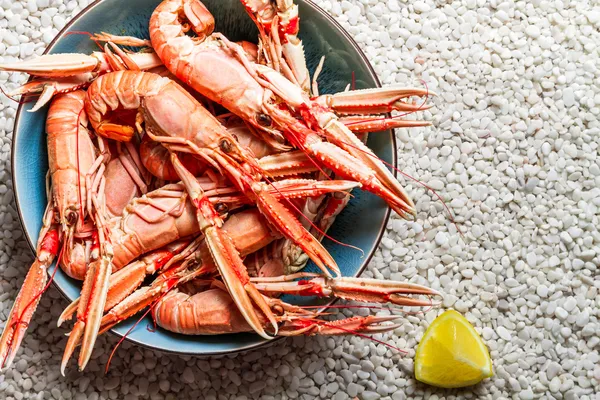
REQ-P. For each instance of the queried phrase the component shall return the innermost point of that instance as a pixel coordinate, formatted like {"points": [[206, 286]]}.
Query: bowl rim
{"points": [[367, 257]]}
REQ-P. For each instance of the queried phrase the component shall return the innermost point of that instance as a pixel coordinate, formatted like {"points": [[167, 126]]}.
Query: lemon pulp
{"points": [[451, 353]]}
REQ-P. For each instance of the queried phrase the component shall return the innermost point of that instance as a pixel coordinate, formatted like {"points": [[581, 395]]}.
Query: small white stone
{"points": [[570, 304], [21, 365], [58, 21], [503, 333], [369, 395], [421, 6], [111, 383], [319, 377], [555, 275], [353, 389], [526, 394], [441, 239], [45, 19], [138, 368], [531, 259], [568, 97], [385, 39], [553, 370], [561, 313], [412, 42], [10, 272], [487, 333], [27, 384], [582, 319], [47, 36], [554, 385], [532, 31], [188, 375], [436, 184], [521, 126], [456, 128]]}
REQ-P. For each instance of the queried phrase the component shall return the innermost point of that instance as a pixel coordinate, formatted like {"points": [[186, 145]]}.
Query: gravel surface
{"points": [[513, 150]]}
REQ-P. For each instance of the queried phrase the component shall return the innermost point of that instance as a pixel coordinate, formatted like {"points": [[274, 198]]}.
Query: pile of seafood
{"points": [[216, 166]]}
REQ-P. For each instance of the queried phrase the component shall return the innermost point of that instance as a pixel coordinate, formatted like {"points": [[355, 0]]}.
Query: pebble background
{"points": [[514, 151]]}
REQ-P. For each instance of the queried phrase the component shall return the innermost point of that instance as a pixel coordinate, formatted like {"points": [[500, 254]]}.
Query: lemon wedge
{"points": [[451, 353]]}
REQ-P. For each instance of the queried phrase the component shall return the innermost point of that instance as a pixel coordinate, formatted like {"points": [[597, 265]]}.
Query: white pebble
{"points": [[369, 395], [441, 238], [504, 333], [421, 6], [526, 395], [188, 375], [570, 304], [561, 313], [568, 97], [412, 42], [533, 31]]}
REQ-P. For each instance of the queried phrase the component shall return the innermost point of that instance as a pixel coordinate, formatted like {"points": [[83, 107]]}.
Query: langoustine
{"points": [[73, 201], [221, 71]]}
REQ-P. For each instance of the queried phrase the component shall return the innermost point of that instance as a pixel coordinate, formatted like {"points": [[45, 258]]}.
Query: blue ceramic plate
{"points": [[361, 224]]}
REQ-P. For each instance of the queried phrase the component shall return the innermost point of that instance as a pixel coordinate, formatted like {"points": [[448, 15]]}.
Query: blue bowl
{"points": [[361, 224]]}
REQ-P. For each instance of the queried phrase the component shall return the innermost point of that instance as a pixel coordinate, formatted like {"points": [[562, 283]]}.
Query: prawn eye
{"points": [[71, 217], [221, 208], [225, 146], [264, 120]]}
